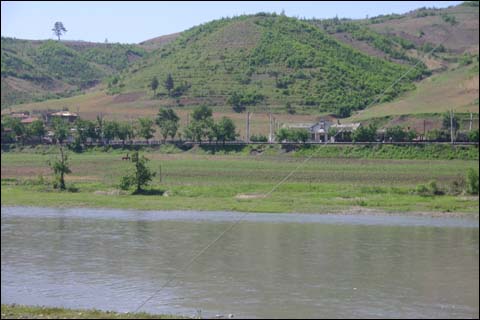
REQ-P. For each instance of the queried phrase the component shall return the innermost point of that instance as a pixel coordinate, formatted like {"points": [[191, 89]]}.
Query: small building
{"points": [[318, 130], [28, 120], [65, 115]]}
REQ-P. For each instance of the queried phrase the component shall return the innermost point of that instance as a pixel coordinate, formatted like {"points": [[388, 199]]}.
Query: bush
{"points": [[258, 138], [472, 181]]}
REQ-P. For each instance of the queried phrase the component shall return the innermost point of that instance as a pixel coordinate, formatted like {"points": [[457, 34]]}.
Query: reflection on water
{"points": [[280, 266]]}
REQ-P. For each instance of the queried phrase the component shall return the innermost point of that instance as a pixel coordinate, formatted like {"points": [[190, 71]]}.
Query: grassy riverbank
{"points": [[201, 181], [33, 312]]}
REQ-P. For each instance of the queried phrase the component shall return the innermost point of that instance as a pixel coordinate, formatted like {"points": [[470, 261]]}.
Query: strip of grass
{"points": [[34, 312]]}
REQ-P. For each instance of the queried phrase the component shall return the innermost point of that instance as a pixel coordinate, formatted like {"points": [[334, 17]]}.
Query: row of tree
{"points": [[201, 127]]}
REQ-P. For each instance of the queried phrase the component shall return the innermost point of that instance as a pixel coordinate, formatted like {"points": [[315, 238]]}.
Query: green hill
{"points": [[266, 60], [39, 70]]}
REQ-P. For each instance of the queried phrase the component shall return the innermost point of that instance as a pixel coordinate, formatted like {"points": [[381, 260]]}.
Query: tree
{"points": [[289, 108], [168, 121], [36, 129], [365, 134], [472, 181], [110, 130], [169, 84], [141, 177], [84, 129], [99, 127], [446, 122], [202, 124], [125, 131], [60, 168], [344, 112], [145, 129], [396, 134], [225, 130], [18, 129], [154, 85], [60, 130], [59, 29]]}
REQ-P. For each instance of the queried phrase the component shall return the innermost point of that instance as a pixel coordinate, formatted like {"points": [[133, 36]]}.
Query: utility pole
{"points": [[270, 127], [424, 138], [247, 138], [451, 126], [471, 120]]}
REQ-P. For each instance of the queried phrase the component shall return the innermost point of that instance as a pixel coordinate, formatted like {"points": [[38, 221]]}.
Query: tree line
{"points": [[200, 127]]}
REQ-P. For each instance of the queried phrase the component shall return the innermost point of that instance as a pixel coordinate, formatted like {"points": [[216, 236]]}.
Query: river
{"points": [[267, 266]]}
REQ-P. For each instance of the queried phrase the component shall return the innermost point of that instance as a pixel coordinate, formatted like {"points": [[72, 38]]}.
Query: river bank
{"points": [[13, 311]]}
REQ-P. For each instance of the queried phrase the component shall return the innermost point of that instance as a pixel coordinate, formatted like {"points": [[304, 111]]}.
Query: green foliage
{"points": [[290, 109], [449, 19], [116, 56], [154, 84], [125, 131], [224, 130], [276, 53], [169, 84], [438, 135], [258, 138], [36, 129], [60, 167], [67, 67], [431, 189], [398, 134], [168, 121], [59, 61], [344, 112], [60, 129], [472, 181], [140, 177], [110, 130], [202, 125], [292, 135], [59, 29], [470, 4], [145, 129], [85, 129], [447, 122], [239, 100], [365, 134], [473, 136]]}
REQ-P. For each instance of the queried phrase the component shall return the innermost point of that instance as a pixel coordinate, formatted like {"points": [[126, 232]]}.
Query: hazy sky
{"points": [[133, 22]]}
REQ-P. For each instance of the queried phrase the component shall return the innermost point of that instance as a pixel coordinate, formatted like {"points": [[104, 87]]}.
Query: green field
{"points": [[196, 180]]}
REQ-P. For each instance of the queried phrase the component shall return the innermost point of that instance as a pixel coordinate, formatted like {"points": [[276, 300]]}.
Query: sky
{"points": [[136, 21]]}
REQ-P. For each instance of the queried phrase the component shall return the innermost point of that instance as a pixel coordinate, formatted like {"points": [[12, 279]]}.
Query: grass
{"points": [[455, 89], [35, 312], [192, 181]]}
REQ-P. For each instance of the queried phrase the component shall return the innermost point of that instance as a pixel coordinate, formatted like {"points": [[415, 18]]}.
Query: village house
{"points": [[65, 115], [319, 130]]}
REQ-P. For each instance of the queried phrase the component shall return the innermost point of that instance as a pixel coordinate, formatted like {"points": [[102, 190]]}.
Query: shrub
{"points": [[472, 181]]}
